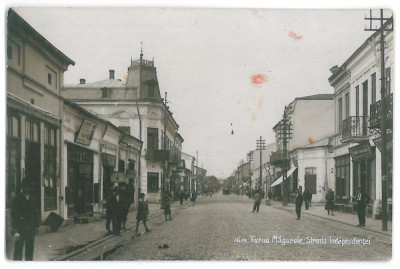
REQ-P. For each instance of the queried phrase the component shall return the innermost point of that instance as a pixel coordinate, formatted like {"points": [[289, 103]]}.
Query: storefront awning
{"points": [[280, 179]]}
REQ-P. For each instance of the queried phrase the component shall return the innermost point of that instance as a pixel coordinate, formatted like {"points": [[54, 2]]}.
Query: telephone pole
{"points": [[164, 146], [260, 146], [383, 112]]}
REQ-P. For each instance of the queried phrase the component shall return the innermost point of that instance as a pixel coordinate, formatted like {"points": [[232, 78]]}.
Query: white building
{"points": [[137, 108], [356, 141]]}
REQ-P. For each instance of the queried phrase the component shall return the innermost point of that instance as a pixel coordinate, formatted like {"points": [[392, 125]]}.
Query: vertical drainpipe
{"points": [[138, 181]]}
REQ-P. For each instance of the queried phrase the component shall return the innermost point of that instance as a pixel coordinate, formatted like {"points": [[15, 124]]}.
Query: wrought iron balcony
{"points": [[280, 158], [157, 155], [376, 110], [355, 129]]}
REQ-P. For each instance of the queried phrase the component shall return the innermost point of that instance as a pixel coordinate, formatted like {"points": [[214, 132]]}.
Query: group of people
{"points": [[362, 201], [117, 207]]}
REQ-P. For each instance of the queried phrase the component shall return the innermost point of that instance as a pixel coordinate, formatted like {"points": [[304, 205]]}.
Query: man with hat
{"points": [[25, 220]]}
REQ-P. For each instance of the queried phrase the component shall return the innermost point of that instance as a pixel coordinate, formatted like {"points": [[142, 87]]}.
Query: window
{"points": [[340, 114], [104, 92], [357, 101], [13, 53], [150, 90], [347, 100], [49, 79], [310, 179], [32, 131], [152, 138], [50, 168], [373, 89], [13, 126], [152, 182]]}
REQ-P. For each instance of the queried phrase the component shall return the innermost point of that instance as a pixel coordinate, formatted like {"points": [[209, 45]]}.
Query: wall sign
{"points": [[85, 134], [361, 152]]}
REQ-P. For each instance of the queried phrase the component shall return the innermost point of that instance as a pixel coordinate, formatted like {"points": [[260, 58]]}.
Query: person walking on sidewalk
{"points": [[362, 203], [167, 197], [142, 213], [307, 198], [257, 202], [299, 202], [25, 220], [330, 201], [181, 194]]}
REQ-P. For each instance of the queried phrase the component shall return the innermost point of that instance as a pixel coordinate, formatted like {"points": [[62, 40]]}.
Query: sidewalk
{"points": [[344, 218], [70, 237]]}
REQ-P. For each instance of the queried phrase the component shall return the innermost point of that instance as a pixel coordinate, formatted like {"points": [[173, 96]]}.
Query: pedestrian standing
{"points": [[362, 203], [306, 197], [142, 213], [181, 197], [192, 198], [299, 202], [167, 198], [109, 210], [117, 204], [310, 198], [25, 220], [257, 201], [330, 201], [125, 203]]}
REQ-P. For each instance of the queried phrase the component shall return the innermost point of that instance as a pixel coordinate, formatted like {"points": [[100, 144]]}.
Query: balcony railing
{"points": [[280, 158], [376, 110], [157, 155], [355, 129]]}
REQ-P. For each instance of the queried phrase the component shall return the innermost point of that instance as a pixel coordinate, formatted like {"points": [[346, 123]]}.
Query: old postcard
{"points": [[199, 134]]}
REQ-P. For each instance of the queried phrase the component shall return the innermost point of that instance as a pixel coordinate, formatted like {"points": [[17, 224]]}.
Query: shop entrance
{"points": [[32, 169]]}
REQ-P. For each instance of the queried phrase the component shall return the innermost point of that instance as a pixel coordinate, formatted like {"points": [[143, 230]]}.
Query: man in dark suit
{"points": [[307, 198], [362, 203], [142, 212], [299, 202], [25, 220]]}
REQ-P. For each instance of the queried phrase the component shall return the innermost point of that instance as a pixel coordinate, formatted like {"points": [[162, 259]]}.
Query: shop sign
{"points": [[117, 177], [389, 143], [85, 134], [361, 152]]}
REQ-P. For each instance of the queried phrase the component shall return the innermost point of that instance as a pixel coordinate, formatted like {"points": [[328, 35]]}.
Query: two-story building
{"points": [[303, 145], [356, 141], [136, 107]]}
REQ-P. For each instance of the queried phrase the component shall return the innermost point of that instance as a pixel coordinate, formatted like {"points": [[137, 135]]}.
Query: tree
{"points": [[213, 183]]}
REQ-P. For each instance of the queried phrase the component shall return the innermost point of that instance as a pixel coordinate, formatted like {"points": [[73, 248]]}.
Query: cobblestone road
{"points": [[221, 228]]}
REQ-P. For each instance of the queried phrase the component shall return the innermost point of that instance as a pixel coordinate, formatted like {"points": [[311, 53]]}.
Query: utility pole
{"points": [[250, 159], [260, 146], [285, 134], [383, 114]]}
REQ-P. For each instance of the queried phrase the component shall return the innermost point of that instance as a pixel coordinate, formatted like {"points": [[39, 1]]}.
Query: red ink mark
{"points": [[258, 79], [294, 36]]}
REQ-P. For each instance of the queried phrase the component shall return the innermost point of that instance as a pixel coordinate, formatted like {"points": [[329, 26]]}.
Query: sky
{"points": [[224, 69]]}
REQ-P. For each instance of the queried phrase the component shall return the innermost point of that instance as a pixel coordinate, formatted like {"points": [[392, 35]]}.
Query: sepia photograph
{"points": [[198, 133]]}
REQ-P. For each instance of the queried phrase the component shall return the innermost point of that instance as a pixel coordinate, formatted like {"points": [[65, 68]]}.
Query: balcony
{"points": [[375, 113], [280, 159], [355, 129], [175, 157], [157, 155]]}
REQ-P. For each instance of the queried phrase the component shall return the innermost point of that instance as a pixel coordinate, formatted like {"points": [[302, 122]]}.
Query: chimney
{"points": [[112, 74], [82, 81]]}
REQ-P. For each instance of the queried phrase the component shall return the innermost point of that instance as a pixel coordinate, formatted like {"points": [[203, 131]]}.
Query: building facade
{"points": [[307, 124], [356, 142], [136, 107]]}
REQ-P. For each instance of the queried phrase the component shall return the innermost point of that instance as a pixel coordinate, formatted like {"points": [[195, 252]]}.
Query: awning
{"points": [[280, 179]]}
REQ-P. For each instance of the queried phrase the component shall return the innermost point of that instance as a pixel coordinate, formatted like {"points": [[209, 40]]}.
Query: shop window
{"points": [[50, 169], [152, 182]]}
